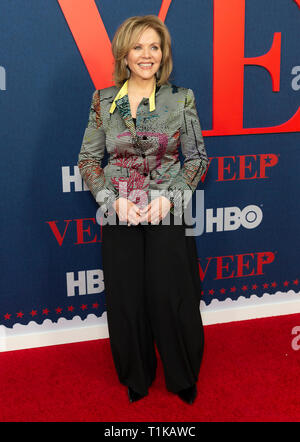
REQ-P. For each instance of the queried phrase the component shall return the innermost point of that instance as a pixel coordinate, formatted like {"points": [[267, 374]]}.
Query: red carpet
{"points": [[250, 372]]}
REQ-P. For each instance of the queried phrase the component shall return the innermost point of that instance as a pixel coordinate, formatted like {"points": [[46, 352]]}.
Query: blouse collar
{"points": [[124, 91]]}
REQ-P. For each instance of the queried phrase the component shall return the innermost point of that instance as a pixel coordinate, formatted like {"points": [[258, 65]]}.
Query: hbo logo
{"points": [[231, 218]]}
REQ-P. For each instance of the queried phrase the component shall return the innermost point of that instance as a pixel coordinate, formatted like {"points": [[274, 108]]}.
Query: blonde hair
{"points": [[127, 35]]}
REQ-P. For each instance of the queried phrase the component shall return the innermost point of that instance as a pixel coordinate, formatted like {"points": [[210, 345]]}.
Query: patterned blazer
{"points": [[143, 157]]}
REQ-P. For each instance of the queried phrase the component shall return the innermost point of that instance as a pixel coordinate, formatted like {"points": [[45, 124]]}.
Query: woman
{"points": [[151, 276]]}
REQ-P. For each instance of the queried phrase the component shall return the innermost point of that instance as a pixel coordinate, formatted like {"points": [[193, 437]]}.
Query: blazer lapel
{"points": [[121, 101], [123, 106]]}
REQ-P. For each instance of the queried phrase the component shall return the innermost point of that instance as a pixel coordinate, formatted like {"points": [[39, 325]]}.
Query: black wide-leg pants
{"points": [[153, 291]]}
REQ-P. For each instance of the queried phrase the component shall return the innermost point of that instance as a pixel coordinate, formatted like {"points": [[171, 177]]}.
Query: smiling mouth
{"points": [[145, 65]]}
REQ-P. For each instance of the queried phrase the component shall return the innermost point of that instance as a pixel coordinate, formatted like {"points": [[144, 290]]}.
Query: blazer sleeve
{"points": [[91, 155], [195, 157]]}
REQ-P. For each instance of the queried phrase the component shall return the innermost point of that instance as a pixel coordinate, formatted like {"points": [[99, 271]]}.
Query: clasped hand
{"points": [[153, 213]]}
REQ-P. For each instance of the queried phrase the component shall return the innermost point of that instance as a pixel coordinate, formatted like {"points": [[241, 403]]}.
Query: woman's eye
{"points": [[138, 47]]}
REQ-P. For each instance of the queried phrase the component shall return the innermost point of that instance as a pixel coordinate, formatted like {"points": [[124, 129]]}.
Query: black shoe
{"points": [[188, 395], [133, 395]]}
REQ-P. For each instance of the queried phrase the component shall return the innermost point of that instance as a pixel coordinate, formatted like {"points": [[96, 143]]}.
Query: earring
{"points": [[128, 72]]}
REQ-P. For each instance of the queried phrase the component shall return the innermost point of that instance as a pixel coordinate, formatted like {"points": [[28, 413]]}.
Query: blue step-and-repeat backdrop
{"points": [[242, 60]]}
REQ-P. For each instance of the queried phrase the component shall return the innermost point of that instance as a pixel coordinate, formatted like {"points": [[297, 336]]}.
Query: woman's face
{"points": [[144, 58]]}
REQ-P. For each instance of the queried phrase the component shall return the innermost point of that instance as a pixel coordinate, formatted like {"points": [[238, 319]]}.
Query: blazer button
{"points": [[143, 155], [145, 174], [144, 137]]}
